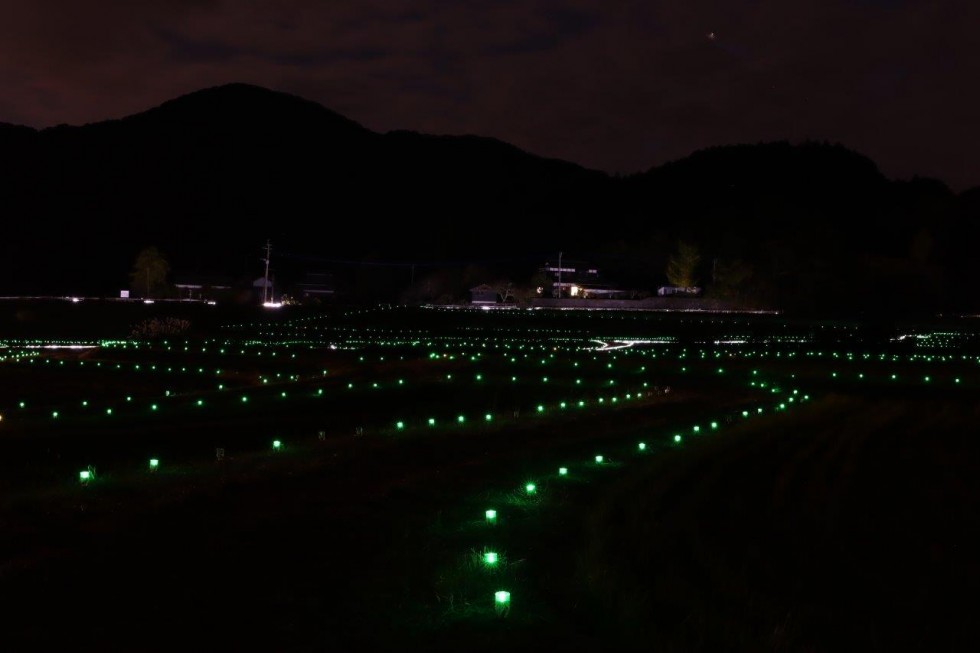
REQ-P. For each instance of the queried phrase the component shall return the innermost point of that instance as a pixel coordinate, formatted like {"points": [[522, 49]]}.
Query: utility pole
{"points": [[265, 285], [559, 275]]}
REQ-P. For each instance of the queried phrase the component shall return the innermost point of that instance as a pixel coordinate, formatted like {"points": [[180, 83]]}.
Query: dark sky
{"points": [[615, 85]]}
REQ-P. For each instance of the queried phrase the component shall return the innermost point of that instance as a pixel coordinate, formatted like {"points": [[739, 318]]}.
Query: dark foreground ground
{"points": [[847, 521], [852, 525]]}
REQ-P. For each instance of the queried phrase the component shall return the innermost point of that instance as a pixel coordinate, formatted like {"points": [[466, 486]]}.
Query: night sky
{"points": [[614, 85]]}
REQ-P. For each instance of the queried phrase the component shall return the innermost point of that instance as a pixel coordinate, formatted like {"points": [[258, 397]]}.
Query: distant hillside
{"points": [[209, 176]]}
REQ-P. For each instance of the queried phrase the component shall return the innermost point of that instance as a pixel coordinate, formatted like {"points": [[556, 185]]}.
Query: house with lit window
{"points": [[577, 279]]}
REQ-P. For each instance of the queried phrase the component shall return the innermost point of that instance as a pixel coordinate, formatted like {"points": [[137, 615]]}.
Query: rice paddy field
{"points": [[442, 478]]}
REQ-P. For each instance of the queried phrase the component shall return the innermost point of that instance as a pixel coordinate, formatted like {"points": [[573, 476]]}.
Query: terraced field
{"points": [[483, 479]]}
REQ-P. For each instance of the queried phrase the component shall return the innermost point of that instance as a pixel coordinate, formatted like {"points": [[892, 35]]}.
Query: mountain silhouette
{"points": [[209, 176]]}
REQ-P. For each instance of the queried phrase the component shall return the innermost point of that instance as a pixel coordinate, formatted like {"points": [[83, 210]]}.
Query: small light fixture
{"points": [[501, 601]]}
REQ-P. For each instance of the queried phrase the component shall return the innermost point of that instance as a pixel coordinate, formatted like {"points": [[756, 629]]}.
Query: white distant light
{"points": [[147, 301], [622, 344], [272, 304]]}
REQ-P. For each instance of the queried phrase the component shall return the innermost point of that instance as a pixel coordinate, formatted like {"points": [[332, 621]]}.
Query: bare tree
{"points": [[682, 265], [149, 274]]}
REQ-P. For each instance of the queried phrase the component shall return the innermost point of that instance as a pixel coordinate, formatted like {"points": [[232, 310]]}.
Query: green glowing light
{"points": [[400, 425], [244, 399], [108, 411], [488, 417], [531, 488], [490, 558], [563, 471], [491, 516], [927, 379], [540, 408], [153, 406], [501, 598], [54, 414], [642, 446], [277, 445], [432, 421], [677, 438], [84, 476], [154, 464], [461, 419], [598, 460], [714, 425], [697, 429]]}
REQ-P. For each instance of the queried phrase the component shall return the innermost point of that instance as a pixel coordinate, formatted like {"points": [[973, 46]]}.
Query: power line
{"points": [[408, 264]]}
